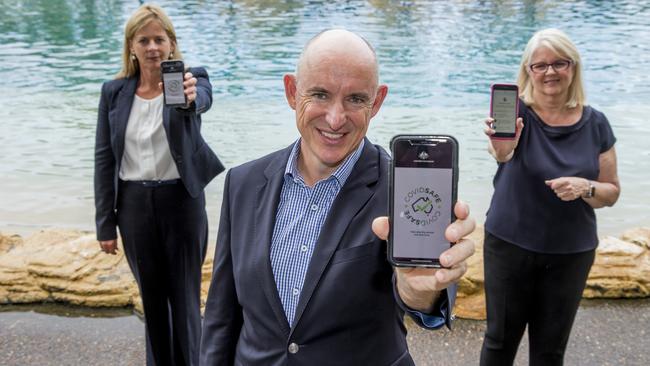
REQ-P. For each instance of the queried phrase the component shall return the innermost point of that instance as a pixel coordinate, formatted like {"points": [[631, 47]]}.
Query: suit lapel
{"points": [[166, 118], [352, 197], [122, 112], [268, 199]]}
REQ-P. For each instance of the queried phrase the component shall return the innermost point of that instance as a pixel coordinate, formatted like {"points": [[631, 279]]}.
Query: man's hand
{"points": [[420, 288], [109, 246]]}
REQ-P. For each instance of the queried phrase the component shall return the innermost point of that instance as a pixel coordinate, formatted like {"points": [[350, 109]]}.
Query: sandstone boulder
{"points": [[470, 301], [67, 266], [621, 270], [64, 266], [639, 236]]}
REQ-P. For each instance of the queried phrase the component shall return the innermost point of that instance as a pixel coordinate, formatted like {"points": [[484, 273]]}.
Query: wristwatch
{"points": [[592, 190]]}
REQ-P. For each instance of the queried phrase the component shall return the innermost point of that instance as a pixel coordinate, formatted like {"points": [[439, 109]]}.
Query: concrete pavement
{"points": [[606, 332]]}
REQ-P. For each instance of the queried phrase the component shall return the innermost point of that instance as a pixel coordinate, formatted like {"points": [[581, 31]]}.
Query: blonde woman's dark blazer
{"points": [[197, 164]]}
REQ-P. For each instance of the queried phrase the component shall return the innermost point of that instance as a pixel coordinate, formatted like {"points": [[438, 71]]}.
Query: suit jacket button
{"points": [[293, 348]]}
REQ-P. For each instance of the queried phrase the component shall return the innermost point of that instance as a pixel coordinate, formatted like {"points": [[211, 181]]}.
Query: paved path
{"points": [[605, 333]]}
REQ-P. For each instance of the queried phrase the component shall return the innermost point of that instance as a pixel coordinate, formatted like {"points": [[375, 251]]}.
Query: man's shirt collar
{"points": [[341, 173]]}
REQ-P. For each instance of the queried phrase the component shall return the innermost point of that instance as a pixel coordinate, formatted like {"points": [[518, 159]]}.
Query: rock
{"points": [[639, 236], [206, 275], [470, 301], [621, 270], [67, 266], [64, 266], [9, 242]]}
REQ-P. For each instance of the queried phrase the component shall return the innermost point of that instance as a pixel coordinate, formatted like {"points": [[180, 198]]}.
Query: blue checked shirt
{"points": [[300, 217]]}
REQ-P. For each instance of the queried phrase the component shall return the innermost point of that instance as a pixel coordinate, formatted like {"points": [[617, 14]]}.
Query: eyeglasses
{"points": [[559, 65]]}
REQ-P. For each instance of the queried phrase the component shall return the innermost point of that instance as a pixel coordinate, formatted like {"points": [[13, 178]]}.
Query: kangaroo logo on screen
{"points": [[422, 206]]}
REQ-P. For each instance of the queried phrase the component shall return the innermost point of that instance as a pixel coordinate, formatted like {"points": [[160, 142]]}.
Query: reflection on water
{"points": [[438, 59]]}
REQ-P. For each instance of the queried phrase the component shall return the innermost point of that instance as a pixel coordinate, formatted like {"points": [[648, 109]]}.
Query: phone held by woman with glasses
{"points": [[504, 103]]}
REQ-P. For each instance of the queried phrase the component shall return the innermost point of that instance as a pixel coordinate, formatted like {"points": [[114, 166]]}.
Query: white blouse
{"points": [[146, 148]]}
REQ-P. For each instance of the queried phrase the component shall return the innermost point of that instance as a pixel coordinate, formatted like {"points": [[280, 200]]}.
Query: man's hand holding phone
{"points": [[419, 287], [502, 149]]}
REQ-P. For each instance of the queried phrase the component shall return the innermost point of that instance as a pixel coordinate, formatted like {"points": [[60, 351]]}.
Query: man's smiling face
{"points": [[334, 94]]}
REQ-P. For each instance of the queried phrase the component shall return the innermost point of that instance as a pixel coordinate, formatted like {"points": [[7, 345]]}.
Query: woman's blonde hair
{"points": [[140, 19], [558, 42]]}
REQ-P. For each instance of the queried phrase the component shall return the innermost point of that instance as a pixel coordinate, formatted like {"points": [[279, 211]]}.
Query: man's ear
{"points": [[382, 90], [290, 90]]}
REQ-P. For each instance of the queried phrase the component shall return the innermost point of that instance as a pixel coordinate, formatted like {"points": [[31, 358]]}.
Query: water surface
{"points": [[438, 59]]}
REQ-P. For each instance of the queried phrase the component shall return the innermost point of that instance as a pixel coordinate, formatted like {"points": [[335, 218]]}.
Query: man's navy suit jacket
{"points": [[347, 314], [197, 164]]}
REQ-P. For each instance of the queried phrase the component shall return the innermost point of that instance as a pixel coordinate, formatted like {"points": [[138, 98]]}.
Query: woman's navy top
{"points": [[524, 210]]}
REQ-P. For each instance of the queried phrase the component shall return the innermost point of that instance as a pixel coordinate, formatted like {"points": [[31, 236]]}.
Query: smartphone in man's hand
{"points": [[423, 189]]}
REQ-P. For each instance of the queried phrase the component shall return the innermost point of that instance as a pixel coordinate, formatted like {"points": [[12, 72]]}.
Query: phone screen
{"points": [[423, 186], [173, 84], [504, 110]]}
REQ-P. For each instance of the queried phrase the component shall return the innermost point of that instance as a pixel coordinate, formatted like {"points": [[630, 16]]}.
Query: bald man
{"points": [[299, 276]]}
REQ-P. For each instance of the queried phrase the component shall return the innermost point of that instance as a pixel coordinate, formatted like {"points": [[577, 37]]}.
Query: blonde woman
{"points": [[151, 166]]}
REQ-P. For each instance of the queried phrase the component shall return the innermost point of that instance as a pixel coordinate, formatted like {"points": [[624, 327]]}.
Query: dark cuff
{"points": [[106, 228], [107, 234], [191, 108], [434, 320]]}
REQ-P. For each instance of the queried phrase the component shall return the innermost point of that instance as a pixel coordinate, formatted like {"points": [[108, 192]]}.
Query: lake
{"points": [[437, 58]]}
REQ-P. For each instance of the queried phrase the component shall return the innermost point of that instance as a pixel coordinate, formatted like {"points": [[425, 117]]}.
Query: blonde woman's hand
{"points": [[108, 246], [189, 86]]}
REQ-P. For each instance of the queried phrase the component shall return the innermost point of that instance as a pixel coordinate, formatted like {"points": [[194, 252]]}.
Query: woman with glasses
{"points": [[540, 231]]}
